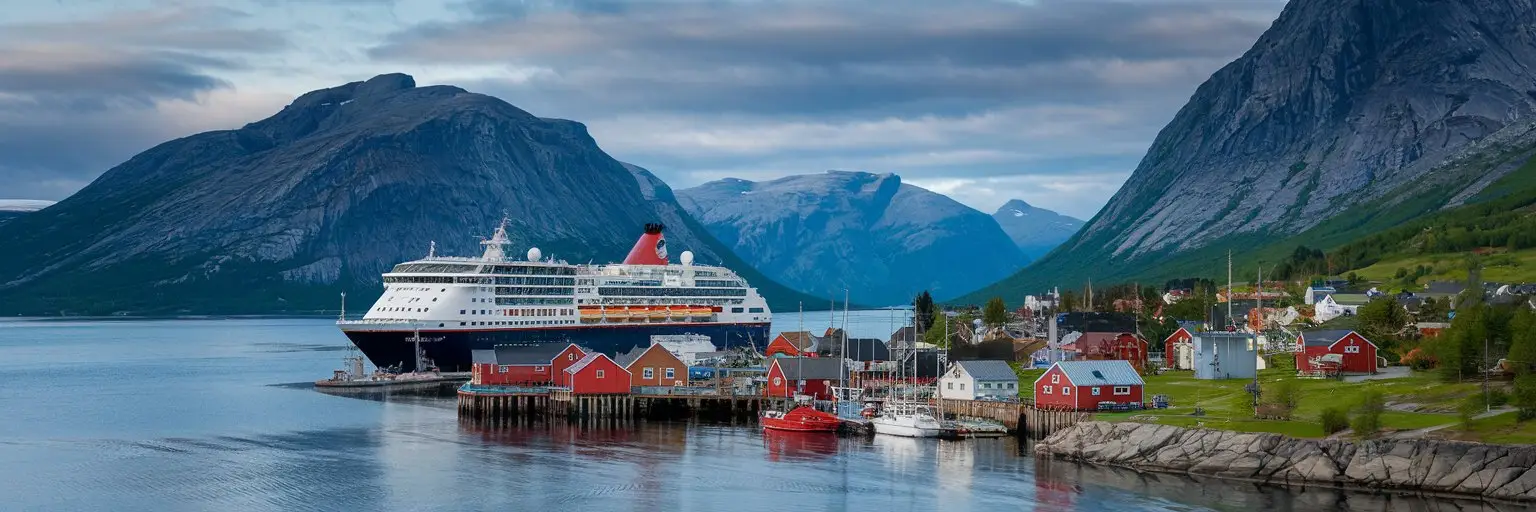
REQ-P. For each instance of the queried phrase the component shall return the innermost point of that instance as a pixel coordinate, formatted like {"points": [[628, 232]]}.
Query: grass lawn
{"points": [[1428, 402], [1501, 429], [1503, 267]]}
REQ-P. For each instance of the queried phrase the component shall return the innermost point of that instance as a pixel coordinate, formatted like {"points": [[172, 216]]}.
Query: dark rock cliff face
{"points": [[1339, 103], [323, 197], [886, 240], [1035, 230]]}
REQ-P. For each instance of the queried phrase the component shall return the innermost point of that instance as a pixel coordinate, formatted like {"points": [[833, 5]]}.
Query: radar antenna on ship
{"points": [[494, 248]]}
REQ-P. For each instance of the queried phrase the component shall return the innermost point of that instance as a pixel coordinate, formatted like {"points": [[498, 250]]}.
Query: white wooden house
{"points": [[968, 380]]}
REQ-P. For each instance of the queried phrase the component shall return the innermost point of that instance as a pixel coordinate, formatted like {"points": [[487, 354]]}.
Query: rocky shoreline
{"points": [[1413, 465]]}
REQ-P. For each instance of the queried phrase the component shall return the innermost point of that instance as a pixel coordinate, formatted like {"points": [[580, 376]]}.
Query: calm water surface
{"points": [[217, 415]]}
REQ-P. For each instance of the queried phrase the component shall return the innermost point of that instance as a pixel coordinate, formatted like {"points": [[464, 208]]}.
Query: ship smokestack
{"points": [[650, 249]]}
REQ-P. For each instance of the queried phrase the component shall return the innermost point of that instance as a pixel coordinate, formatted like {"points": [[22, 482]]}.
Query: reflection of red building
{"points": [[798, 445], [1124, 346]]}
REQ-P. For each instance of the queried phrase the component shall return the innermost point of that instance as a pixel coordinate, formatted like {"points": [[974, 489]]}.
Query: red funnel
{"points": [[650, 249]]}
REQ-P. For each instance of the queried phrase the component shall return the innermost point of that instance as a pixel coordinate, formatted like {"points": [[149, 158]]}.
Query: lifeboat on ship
{"points": [[801, 419], [700, 312], [679, 312], [591, 314], [660, 313]]}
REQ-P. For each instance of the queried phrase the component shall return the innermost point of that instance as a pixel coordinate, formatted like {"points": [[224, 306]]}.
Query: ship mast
{"points": [[494, 247]]}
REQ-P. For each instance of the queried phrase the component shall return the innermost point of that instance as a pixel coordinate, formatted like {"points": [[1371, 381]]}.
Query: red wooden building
{"points": [[789, 376], [1124, 346], [654, 366], [567, 357], [1170, 347], [1089, 386], [520, 365], [792, 344], [1359, 354], [596, 374]]}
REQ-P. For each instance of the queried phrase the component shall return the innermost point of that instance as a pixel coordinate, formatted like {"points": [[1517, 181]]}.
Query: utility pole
{"points": [[1229, 287]]}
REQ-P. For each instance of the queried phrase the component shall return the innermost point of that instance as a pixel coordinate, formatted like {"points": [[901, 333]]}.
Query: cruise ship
{"points": [[436, 310]]}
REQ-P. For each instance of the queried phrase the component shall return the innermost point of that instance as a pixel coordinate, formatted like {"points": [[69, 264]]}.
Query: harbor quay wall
{"points": [[1415, 465]]}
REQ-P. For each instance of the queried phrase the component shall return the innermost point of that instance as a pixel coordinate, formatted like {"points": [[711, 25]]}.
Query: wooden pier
{"points": [[1020, 417], [493, 402]]}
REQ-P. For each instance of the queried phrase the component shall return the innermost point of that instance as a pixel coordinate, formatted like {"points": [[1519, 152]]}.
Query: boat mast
{"points": [[844, 351]]}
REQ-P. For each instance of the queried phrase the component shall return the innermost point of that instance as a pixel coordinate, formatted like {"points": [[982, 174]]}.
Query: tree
{"points": [[1069, 301], [1354, 280], [922, 310], [935, 335], [1381, 320], [996, 313], [1433, 310], [1522, 343]]}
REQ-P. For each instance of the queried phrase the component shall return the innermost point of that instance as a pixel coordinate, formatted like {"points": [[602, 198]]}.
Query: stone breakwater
{"points": [[1419, 465]]}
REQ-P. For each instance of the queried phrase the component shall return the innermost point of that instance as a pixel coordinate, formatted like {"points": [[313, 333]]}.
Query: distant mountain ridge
{"points": [[1344, 113], [883, 239], [1036, 231], [16, 208], [283, 214]]}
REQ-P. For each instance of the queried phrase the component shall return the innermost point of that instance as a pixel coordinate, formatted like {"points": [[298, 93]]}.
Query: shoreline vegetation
{"points": [[1426, 466]]}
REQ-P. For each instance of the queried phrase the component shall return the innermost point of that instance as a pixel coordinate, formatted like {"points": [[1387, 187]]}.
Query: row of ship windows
{"points": [[412, 310], [524, 322], [523, 312]]}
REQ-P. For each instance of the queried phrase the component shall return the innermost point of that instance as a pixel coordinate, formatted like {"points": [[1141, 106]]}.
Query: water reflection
{"points": [[799, 446]]}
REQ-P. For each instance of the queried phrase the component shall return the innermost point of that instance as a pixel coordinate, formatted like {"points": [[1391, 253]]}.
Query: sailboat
{"points": [[909, 417]]}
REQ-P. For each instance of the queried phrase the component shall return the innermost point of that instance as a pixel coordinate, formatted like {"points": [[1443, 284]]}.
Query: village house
{"points": [[596, 374], [1316, 292], [1179, 351], [969, 380], [1327, 308], [1112, 345], [1225, 355], [792, 344], [790, 376], [1089, 386], [565, 359], [516, 365], [654, 366], [1358, 354], [868, 357]]}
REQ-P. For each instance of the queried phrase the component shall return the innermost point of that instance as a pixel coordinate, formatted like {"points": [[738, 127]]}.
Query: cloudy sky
{"points": [[1050, 101]]}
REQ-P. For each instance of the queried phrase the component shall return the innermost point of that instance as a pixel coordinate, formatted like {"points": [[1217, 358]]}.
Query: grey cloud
{"points": [[814, 57]]}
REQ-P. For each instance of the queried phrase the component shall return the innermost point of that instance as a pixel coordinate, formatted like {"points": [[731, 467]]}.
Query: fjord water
{"points": [[218, 414]]}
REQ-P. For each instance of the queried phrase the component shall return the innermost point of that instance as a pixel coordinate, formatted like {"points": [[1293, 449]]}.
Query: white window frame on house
{"points": [[1066, 390], [648, 373], [671, 373], [1012, 385], [1095, 391], [599, 374], [949, 385], [1122, 390], [538, 368], [1056, 379], [1352, 349], [962, 386], [1047, 390]]}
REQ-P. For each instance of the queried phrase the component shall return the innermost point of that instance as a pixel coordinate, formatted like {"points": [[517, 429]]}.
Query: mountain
{"points": [[1035, 230], [1343, 112], [15, 208], [885, 239], [284, 213]]}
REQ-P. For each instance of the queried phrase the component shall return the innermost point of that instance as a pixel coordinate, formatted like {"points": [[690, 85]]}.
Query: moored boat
{"points": [[908, 420], [801, 419]]}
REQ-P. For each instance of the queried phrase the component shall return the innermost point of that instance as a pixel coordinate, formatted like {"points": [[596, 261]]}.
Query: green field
{"points": [[1502, 267], [1415, 401]]}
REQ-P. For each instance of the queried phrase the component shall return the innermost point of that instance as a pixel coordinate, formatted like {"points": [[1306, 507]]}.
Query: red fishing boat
{"points": [[801, 419]]}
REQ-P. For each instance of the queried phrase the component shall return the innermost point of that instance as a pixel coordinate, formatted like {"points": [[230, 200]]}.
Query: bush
{"points": [[1335, 419], [1470, 407], [1498, 398], [1368, 415], [1525, 396], [1418, 359]]}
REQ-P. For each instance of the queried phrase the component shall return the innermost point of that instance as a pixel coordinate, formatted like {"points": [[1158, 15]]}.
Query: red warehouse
{"points": [[1359, 354], [792, 344], [515, 365], [1113, 345], [596, 374], [567, 357], [654, 366], [790, 376], [1089, 386]]}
